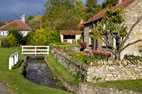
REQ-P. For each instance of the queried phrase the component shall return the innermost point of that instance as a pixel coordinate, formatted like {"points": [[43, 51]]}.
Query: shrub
{"points": [[5, 43], [12, 40], [15, 34], [44, 37], [83, 46]]}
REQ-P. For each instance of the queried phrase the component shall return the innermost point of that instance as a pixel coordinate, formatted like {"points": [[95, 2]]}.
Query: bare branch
{"points": [[131, 29], [129, 44]]}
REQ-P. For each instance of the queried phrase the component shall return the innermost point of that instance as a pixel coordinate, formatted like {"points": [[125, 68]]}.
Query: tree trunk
{"points": [[117, 57]]}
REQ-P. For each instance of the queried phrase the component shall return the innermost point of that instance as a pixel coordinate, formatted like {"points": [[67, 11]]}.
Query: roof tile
{"points": [[18, 24]]}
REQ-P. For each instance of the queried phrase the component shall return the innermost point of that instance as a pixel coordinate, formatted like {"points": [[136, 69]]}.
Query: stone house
{"points": [[20, 25], [70, 36], [132, 10]]}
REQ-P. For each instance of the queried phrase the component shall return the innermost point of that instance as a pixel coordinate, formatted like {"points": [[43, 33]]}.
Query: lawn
{"points": [[134, 85], [16, 81], [58, 69], [65, 45]]}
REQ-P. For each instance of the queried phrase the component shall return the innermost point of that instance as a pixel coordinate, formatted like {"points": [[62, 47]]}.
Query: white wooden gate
{"points": [[35, 50], [13, 59]]}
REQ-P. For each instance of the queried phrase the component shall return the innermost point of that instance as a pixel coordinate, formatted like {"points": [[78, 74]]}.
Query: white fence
{"points": [[35, 50], [13, 59]]}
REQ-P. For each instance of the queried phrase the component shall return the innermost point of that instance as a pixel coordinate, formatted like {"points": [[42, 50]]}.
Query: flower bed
{"points": [[85, 56], [100, 54]]}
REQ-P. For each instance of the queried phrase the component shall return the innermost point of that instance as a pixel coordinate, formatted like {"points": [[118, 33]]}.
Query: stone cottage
{"points": [[132, 10], [70, 36], [20, 25]]}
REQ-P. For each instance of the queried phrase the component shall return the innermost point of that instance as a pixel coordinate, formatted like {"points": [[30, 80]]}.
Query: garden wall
{"points": [[74, 66], [101, 71]]}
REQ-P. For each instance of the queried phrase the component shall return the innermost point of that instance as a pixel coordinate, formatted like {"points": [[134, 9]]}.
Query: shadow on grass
{"points": [[18, 64]]}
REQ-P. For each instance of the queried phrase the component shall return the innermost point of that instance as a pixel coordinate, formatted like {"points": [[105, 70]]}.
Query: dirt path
{"points": [[3, 89]]}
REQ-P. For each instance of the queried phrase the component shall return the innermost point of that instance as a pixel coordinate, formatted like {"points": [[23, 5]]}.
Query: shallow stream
{"points": [[37, 71]]}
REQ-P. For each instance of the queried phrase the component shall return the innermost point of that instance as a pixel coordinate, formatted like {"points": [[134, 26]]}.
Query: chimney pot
{"points": [[23, 18]]}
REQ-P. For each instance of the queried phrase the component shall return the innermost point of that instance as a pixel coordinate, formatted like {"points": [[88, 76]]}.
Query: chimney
{"points": [[81, 21], [120, 1], [23, 18]]}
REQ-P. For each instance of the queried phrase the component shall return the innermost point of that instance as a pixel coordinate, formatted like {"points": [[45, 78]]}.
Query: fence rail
{"points": [[13, 59], [35, 50]]}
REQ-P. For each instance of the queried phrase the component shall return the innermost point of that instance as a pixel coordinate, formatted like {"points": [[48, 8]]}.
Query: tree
{"points": [[12, 40], [34, 22], [44, 37], [115, 28], [92, 8], [80, 9], [14, 36], [63, 14], [109, 3]]}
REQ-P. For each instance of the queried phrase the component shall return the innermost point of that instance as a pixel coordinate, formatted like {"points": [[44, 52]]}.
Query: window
{"points": [[69, 36], [65, 40], [105, 38]]}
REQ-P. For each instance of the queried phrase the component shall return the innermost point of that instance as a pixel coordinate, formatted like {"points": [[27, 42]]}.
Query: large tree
{"points": [[63, 14], [113, 25], [92, 8], [55, 9], [34, 22], [109, 3]]}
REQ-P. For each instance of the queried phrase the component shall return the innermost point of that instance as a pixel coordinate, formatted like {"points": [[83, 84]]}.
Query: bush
{"points": [[5, 43], [44, 37], [12, 40], [16, 34]]}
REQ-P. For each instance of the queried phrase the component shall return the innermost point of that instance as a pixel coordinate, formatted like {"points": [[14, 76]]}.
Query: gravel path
{"points": [[3, 89]]}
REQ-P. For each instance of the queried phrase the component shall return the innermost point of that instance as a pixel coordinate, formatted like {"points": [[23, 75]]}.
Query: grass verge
{"points": [[134, 85], [65, 45], [58, 69], [16, 81]]}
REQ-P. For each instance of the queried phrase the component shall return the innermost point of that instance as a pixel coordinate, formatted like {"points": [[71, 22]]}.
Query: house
{"points": [[20, 25], [132, 10], [70, 36]]}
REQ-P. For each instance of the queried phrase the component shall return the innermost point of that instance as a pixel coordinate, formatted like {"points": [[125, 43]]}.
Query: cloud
{"points": [[12, 9]]}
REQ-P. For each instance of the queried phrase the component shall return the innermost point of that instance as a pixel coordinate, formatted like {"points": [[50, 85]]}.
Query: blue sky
{"points": [[12, 9]]}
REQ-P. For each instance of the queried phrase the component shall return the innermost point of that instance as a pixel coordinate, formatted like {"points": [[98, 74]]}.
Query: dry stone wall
{"points": [[101, 71], [108, 71], [130, 15], [72, 65]]}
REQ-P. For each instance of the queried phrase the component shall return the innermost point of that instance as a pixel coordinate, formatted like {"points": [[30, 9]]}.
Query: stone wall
{"points": [[86, 35], [73, 66], [131, 15], [85, 88], [101, 71]]}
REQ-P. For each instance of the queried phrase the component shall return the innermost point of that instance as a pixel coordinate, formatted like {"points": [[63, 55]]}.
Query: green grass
{"points": [[65, 45], [58, 69], [134, 85], [16, 81]]}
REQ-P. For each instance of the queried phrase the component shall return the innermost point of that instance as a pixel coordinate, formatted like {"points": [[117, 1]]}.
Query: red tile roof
{"points": [[100, 15], [70, 32], [18, 24]]}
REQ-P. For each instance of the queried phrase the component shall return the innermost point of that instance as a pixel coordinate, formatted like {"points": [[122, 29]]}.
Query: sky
{"points": [[13, 9]]}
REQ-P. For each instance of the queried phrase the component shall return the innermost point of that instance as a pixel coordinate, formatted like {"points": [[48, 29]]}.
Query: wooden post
{"points": [[15, 58], [47, 50], [10, 65], [22, 50], [35, 50], [0, 42]]}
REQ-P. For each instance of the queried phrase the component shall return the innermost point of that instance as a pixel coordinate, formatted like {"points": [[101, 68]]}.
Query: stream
{"points": [[37, 71]]}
